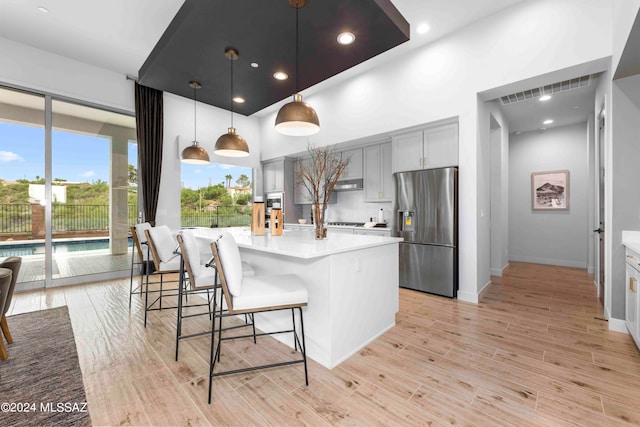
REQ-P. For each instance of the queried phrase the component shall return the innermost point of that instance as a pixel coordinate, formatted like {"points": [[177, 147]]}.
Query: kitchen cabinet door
{"points": [[301, 195], [354, 168], [273, 176], [407, 152], [441, 146], [378, 179], [631, 301]]}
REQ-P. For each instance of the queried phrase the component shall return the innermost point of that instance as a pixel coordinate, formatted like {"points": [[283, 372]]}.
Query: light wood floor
{"points": [[535, 352]]}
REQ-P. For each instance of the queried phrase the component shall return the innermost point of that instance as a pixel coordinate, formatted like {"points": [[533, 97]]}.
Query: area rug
{"points": [[41, 382]]}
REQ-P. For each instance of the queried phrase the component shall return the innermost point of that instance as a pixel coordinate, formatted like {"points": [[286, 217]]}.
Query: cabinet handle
{"points": [[632, 284]]}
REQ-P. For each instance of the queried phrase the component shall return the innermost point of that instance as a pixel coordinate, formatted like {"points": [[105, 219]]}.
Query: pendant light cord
{"points": [[231, 97], [297, 47], [195, 126]]}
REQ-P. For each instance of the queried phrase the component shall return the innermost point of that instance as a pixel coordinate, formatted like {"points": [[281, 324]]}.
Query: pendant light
{"points": [[297, 118], [231, 144], [195, 154]]}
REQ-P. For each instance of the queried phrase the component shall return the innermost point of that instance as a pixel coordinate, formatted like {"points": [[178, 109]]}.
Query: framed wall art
{"points": [[550, 190]]}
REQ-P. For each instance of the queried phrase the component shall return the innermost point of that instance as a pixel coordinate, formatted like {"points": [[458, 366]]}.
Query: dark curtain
{"points": [[149, 124]]}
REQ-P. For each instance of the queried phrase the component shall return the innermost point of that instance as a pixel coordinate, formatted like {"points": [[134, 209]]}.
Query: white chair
{"points": [[249, 295], [197, 274], [162, 246], [140, 248]]}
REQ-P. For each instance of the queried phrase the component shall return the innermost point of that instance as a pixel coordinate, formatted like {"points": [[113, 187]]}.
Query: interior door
{"points": [[600, 230]]}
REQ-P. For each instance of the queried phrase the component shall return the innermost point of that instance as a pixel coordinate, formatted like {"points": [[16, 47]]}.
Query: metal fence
{"points": [[15, 218], [18, 218], [220, 216]]}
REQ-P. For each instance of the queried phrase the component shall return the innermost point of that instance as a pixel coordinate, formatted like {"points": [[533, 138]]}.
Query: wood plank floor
{"points": [[535, 351]]}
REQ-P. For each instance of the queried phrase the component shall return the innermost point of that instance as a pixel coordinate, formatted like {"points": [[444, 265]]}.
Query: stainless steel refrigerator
{"points": [[426, 209]]}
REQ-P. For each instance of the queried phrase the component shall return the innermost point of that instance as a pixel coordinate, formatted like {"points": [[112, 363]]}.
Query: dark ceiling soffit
{"points": [[192, 47]]}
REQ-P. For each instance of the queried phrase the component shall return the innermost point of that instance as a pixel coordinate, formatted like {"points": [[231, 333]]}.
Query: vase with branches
{"points": [[319, 175]]}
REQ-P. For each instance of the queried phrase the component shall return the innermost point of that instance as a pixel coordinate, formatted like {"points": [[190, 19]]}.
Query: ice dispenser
{"points": [[406, 221]]}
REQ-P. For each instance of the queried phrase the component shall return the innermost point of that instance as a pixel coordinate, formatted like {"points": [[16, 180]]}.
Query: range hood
{"points": [[349, 185]]}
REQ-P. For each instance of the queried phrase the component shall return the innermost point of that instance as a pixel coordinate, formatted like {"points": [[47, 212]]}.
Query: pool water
{"points": [[37, 248]]}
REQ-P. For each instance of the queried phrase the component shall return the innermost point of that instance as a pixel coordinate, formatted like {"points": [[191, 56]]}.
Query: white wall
{"points": [[498, 170], [549, 237], [178, 133], [442, 79], [351, 207], [625, 158], [30, 68], [624, 13], [603, 99]]}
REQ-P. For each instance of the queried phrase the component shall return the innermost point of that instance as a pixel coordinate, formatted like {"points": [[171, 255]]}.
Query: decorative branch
{"points": [[320, 175]]}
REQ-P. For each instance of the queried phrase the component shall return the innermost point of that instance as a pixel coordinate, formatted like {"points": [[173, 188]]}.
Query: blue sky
{"points": [[82, 158]]}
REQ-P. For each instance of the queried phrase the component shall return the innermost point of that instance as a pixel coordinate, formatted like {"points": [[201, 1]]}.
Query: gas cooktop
{"points": [[348, 224]]}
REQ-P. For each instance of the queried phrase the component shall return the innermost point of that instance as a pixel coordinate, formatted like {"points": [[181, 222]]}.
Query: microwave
{"points": [[274, 200]]}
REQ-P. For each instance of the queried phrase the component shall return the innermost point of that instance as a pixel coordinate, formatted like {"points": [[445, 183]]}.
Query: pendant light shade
{"points": [[231, 144], [194, 154], [297, 118]]}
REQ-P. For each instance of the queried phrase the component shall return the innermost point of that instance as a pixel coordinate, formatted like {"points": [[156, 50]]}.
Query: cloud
{"points": [[88, 174], [8, 156], [197, 171], [223, 166]]}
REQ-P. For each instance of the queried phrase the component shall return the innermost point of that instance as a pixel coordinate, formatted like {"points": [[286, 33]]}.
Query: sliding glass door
{"points": [[22, 178], [79, 197]]}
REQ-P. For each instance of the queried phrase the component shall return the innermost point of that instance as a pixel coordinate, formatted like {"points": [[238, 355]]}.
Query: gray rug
{"points": [[41, 382]]}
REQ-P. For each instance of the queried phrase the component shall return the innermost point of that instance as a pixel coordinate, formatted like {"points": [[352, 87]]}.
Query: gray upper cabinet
{"points": [[378, 179], [432, 147], [354, 168], [273, 176], [301, 195]]}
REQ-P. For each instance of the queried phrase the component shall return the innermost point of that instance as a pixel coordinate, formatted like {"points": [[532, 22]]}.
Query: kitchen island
{"points": [[352, 282]]}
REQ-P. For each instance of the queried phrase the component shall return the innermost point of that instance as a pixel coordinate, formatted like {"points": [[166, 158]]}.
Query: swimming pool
{"points": [[27, 248]]}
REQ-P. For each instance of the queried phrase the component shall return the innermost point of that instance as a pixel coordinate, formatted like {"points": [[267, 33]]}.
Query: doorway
{"points": [[65, 204], [601, 207]]}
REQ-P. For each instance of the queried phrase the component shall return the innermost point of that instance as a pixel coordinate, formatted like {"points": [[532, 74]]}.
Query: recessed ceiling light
{"points": [[346, 38], [423, 28], [547, 122], [43, 9], [238, 100], [254, 65], [280, 75], [517, 132], [545, 97]]}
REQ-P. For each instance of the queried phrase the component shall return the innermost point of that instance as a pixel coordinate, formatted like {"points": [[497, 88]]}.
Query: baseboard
{"points": [[499, 271], [467, 296], [617, 325], [549, 261], [484, 289]]}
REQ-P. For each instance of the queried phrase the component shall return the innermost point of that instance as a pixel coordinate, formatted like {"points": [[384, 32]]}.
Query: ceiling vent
{"points": [[547, 90]]}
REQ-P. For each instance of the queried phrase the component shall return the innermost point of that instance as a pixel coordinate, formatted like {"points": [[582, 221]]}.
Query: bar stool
{"points": [[12, 263], [162, 247], [5, 284], [198, 274], [139, 240], [249, 295]]}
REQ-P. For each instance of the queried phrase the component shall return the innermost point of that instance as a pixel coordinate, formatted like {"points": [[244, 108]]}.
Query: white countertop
{"points": [[299, 244], [351, 227], [631, 239]]}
